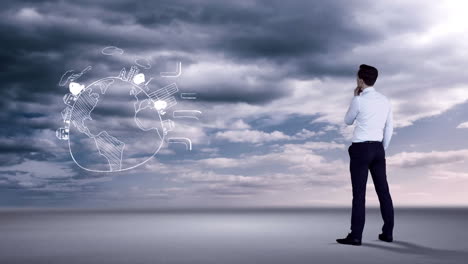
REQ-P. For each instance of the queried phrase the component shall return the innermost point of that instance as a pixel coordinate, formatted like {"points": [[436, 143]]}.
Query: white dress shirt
{"points": [[373, 114]]}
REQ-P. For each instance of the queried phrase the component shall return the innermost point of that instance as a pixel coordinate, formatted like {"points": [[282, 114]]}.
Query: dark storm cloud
{"points": [[230, 92], [45, 36], [43, 39], [301, 37], [14, 147]]}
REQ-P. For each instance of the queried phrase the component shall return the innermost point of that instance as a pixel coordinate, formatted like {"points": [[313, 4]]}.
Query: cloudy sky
{"points": [[273, 80]]}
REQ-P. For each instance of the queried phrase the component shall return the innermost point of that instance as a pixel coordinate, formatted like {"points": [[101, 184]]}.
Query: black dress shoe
{"points": [[349, 240], [386, 238]]}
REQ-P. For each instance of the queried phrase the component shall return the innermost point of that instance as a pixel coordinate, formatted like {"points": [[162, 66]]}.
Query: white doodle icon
{"points": [[161, 106], [112, 151], [139, 78], [75, 88]]}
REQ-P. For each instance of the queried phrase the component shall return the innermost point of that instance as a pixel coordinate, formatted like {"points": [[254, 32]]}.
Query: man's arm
{"points": [[353, 110], [388, 130]]}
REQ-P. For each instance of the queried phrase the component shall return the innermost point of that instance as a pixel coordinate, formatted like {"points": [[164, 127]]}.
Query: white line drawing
{"points": [[83, 99], [69, 99], [144, 63], [71, 77], [177, 73], [188, 96], [168, 125], [63, 81], [122, 74], [66, 115], [181, 140], [194, 114], [62, 133], [112, 50], [171, 101], [83, 109], [103, 85], [111, 148], [166, 91], [139, 79], [165, 94], [76, 88], [131, 73], [146, 84], [161, 106]]}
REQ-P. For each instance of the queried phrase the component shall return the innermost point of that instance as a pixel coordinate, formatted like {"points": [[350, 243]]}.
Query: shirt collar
{"points": [[368, 89]]}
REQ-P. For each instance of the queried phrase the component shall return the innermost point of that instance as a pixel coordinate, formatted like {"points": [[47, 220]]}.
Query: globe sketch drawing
{"points": [[113, 151], [101, 145], [118, 123]]}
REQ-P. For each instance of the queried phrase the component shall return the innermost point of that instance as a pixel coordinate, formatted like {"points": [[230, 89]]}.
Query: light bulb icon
{"points": [[139, 78], [160, 105], [75, 88]]}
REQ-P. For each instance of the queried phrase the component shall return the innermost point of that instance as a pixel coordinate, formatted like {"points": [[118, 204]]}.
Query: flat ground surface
{"points": [[228, 236]]}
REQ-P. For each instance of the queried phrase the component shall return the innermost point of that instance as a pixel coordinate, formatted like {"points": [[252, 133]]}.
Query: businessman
{"points": [[372, 114]]}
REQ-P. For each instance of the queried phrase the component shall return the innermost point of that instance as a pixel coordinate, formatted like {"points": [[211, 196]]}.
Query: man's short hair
{"points": [[368, 74]]}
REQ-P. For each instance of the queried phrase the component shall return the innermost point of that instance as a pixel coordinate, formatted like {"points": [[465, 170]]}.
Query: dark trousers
{"points": [[369, 157]]}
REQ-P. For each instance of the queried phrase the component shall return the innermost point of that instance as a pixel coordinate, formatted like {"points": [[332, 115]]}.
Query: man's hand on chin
{"points": [[357, 91]]}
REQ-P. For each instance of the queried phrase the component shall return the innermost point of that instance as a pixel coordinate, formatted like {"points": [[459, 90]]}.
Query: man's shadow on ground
{"points": [[415, 249]]}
